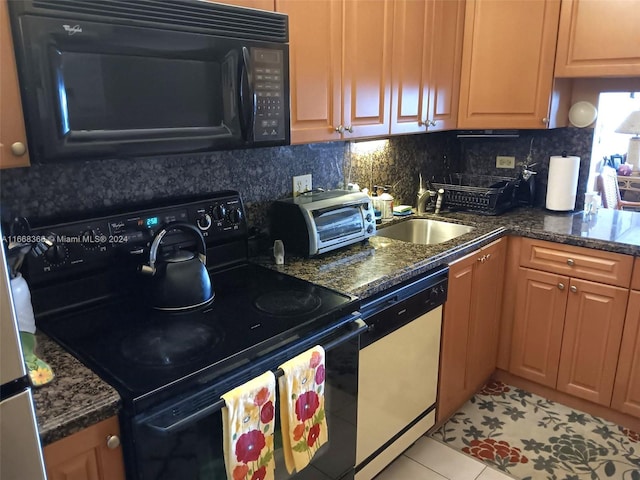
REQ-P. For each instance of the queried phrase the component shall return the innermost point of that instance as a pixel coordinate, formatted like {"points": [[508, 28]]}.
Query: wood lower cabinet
{"points": [[427, 54], [340, 68], [13, 137], [567, 332], [470, 326], [626, 391], [591, 340], [598, 39], [537, 325], [90, 454], [507, 65]]}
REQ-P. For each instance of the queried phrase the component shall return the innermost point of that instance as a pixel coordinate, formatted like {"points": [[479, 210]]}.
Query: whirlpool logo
{"points": [[72, 30]]}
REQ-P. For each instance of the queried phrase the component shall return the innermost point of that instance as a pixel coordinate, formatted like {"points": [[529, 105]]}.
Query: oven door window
{"points": [[192, 448], [339, 223]]}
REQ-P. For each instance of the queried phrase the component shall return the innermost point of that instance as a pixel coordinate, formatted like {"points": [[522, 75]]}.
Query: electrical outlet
{"points": [[505, 162], [301, 184]]}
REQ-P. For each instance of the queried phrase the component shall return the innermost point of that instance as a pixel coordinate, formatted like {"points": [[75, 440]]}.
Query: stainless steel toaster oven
{"points": [[318, 222]]}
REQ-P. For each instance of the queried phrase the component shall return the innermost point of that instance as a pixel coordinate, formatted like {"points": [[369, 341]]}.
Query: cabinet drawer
{"points": [[578, 262], [635, 280]]}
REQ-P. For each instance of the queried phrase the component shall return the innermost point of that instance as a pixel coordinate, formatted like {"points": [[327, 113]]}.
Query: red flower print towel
{"points": [[247, 424], [304, 428]]}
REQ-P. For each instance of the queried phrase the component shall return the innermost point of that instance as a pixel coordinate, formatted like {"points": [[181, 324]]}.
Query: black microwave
{"points": [[122, 78]]}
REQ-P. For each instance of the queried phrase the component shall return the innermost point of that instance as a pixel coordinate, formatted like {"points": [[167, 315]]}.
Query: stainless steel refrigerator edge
{"points": [[20, 452]]}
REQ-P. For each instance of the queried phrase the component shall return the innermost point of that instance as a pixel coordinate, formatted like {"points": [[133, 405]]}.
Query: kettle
{"points": [[179, 278]]}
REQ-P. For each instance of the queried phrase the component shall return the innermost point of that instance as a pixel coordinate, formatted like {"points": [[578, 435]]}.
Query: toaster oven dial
{"points": [[204, 221]]}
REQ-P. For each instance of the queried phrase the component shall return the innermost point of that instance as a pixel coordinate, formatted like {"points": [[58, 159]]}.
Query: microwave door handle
{"points": [[246, 94]]}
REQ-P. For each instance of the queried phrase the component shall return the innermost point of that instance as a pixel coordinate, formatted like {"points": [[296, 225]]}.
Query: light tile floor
{"points": [[428, 459]]}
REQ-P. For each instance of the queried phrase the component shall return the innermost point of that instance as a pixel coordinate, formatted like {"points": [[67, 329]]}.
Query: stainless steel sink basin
{"points": [[424, 231]]}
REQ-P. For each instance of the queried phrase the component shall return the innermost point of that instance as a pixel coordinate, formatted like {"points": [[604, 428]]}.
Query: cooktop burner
{"points": [[148, 356], [288, 302], [169, 341]]}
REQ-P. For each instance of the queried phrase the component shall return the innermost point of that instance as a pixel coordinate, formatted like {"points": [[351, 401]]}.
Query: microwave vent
{"points": [[212, 18]]}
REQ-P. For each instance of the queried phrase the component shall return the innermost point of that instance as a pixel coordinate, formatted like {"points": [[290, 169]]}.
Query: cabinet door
{"points": [[411, 62], [484, 327], [13, 138], [598, 39], [591, 340], [452, 388], [537, 325], [366, 76], [626, 391], [446, 61], [85, 455], [507, 63], [315, 62]]}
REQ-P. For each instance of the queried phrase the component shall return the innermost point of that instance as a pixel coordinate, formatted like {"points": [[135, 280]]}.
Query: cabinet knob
{"points": [[432, 123], [113, 442], [545, 120], [18, 149], [570, 262], [339, 129], [349, 128], [561, 286], [573, 289], [482, 259]]}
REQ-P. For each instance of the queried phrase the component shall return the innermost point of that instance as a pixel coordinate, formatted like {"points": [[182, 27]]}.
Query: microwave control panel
{"points": [[268, 73]]}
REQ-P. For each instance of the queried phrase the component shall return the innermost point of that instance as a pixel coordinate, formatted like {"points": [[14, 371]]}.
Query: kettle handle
{"points": [[155, 244]]}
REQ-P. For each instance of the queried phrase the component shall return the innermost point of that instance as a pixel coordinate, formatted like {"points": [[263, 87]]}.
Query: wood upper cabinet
{"points": [[259, 4], [340, 68], [470, 326], [591, 340], [626, 392], [90, 454], [507, 64], [13, 137], [427, 53], [598, 39]]}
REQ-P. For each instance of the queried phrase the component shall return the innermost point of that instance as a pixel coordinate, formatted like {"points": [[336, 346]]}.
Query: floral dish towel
{"points": [[304, 428], [248, 424]]}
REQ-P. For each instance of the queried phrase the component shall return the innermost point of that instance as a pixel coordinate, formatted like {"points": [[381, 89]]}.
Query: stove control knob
{"points": [[235, 216], [204, 221], [91, 238], [219, 212], [56, 255], [113, 442]]}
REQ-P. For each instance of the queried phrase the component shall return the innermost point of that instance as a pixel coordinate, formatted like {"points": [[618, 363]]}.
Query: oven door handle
{"points": [[356, 328]]}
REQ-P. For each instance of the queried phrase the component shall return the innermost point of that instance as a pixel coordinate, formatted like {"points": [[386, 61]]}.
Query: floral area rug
{"points": [[529, 437]]}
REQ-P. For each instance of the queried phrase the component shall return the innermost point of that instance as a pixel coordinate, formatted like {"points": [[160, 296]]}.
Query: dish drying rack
{"points": [[484, 194]]}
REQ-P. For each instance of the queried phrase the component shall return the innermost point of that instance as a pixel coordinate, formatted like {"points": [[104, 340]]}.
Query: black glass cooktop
{"points": [[256, 310]]}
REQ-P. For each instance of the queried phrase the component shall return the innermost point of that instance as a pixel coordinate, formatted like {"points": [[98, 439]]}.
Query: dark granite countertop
{"points": [[77, 398]]}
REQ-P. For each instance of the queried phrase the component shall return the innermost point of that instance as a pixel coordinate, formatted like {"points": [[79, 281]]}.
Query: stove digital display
{"points": [[152, 222]]}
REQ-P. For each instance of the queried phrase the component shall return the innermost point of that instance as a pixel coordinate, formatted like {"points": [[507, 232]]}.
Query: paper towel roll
{"points": [[562, 183]]}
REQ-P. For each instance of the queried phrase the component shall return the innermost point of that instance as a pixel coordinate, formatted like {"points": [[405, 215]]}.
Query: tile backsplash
{"points": [[262, 175]]}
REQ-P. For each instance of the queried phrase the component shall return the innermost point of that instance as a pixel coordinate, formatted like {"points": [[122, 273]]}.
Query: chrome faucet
{"points": [[423, 199]]}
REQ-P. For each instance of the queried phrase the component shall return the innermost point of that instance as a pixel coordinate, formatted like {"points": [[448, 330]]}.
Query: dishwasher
{"points": [[398, 372]]}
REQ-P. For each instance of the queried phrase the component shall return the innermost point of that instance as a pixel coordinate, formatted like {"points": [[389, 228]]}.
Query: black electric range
{"points": [[89, 297]]}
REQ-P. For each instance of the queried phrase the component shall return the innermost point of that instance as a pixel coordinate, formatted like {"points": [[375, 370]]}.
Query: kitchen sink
{"points": [[424, 231]]}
